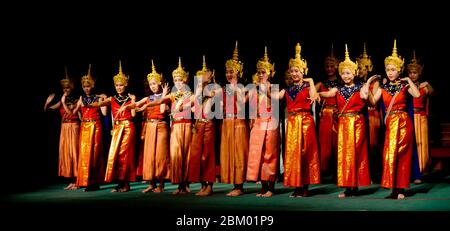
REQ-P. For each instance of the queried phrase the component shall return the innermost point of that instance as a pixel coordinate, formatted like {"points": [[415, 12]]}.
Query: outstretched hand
{"points": [[165, 89], [315, 98], [373, 78], [50, 98]]}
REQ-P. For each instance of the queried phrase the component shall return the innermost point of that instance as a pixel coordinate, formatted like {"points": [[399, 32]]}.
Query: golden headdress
{"points": [[154, 75], [88, 78], [395, 59], [364, 60], [121, 77], [234, 63], [179, 72], [414, 64], [348, 63], [265, 64], [331, 59], [204, 69], [298, 61], [66, 82]]}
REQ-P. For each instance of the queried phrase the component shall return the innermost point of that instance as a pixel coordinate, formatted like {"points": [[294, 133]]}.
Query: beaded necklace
{"points": [[348, 91]]}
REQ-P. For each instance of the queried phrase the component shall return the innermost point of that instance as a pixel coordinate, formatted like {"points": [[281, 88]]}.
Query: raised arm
{"points": [[413, 90], [49, 100], [68, 110]]}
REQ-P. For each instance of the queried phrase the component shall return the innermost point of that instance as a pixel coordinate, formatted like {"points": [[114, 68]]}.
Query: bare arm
{"points": [[413, 90], [47, 102], [68, 110], [330, 93], [313, 95]]}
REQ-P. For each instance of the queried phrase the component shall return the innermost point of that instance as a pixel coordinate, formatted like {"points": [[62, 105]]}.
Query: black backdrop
{"points": [[41, 39]]}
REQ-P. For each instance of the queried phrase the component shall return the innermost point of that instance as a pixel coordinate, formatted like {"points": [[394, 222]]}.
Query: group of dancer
{"points": [[178, 133]]}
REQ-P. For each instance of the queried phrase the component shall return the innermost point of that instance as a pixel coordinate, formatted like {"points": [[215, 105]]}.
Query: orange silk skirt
{"points": [[121, 163], [397, 151], [233, 151], [327, 136], [421, 130], [202, 162], [352, 152], [263, 150], [180, 142], [90, 163], [301, 163], [156, 154], [68, 150]]}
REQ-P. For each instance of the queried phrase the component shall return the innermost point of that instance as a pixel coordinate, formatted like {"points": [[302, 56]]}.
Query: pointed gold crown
{"points": [[66, 82], [414, 64], [331, 58], [179, 71], [298, 61], [348, 63], [234, 63], [204, 69], [364, 60], [154, 75], [121, 77], [395, 59], [265, 64], [88, 78]]}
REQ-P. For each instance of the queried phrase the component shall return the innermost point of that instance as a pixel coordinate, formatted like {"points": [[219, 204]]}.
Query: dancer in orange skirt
{"points": [[301, 163], [155, 135], [421, 105], [70, 130], [91, 168], [398, 145], [352, 156], [121, 157]]}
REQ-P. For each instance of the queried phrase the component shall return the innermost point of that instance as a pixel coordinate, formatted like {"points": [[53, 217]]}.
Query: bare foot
{"points": [[201, 191], [74, 187], [207, 192], [148, 189], [187, 189], [267, 194], [69, 186], [400, 196], [417, 181], [158, 190], [235, 193], [342, 195], [114, 190], [229, 194]]}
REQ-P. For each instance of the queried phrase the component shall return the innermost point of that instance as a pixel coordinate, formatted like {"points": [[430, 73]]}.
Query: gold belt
{"points": [[396, 111], [154, 120], [122, 121], [203, 120], [85, 121], [349, 114]]}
